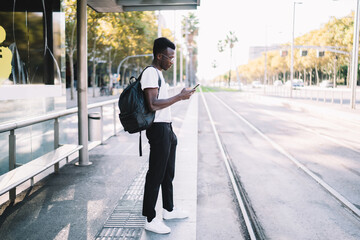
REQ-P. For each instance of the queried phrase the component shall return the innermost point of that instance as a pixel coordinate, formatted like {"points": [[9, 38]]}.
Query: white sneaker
{"points": [[157, 226], [175, 214]]}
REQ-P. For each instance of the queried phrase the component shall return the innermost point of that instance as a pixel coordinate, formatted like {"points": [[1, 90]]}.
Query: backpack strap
{"points": [[159, 79], [139, 78], [159, 83], [140, 145]]}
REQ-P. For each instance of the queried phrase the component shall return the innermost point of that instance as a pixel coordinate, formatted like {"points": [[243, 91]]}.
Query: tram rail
{"points": [[328, 138], [253, 228], [280, 149]]}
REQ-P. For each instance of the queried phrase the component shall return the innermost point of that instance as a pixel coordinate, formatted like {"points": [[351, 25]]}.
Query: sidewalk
{"points": [[94, 202], [324, 110], [185, 183], [327, 110]]}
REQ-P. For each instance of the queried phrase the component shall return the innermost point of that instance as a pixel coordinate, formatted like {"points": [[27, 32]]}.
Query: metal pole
{"points": [[190, 79], [348, 77], [82, 82], [265, 62], [355, 55], [175, 58], [12, 150], [159, 25], [12, 160], [175, 69], [181, 65], [334, 83], [114, 111], [187, 55], [292, 50], [56, 133], [341, 101], [186, 70], [317, 95], [56, 145], [102, 124]]}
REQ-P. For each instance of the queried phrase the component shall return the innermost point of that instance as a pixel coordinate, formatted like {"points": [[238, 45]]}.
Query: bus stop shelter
{"points": [[107, 6]]}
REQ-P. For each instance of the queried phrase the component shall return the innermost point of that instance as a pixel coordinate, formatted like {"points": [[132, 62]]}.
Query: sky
{"points": [[255, 23]]}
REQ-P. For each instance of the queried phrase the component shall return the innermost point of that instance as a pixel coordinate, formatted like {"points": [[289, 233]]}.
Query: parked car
{"points": [[278, 83], [256, 84], [296, 83], [326, 84]]}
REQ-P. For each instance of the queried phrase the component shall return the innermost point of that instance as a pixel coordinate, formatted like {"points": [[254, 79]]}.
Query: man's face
{"points": [[167, 58]]}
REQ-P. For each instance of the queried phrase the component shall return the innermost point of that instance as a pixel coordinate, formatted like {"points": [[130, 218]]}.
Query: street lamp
{"points": [[134, 56], [355, 55], [265, 61], [175, 53], [292, 51]]}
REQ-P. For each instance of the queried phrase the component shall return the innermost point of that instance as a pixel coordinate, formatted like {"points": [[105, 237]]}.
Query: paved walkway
{"points": [[185, 183], [103, 201]]}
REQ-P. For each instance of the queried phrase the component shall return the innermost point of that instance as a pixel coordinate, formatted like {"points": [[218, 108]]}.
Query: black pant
{"points": [[161, 171]]}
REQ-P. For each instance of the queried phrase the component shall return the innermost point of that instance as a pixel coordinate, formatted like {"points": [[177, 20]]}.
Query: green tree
{"points": [[111, 38], [69, 7], [95, 34], [337, 33]]}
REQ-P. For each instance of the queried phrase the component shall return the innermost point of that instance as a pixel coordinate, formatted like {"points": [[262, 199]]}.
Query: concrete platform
{"points": [[185, 182], [104, 200], [78, 202]]}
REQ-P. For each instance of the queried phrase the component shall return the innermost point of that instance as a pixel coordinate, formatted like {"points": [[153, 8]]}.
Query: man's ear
{"points": [[158, 56]]}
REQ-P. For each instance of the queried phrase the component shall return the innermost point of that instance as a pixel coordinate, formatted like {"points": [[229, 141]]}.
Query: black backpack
{"points": [[134, 113]]}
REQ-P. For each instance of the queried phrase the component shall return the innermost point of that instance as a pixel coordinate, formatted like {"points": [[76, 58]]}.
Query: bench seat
{"points": [[10, 180]]}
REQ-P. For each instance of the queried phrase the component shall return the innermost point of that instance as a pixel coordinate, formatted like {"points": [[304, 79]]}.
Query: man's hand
{"points": [[155, 104], [186, 93]]}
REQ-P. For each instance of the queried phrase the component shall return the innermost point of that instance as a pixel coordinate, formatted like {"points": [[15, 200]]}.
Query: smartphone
{"points": [[196, 86]]}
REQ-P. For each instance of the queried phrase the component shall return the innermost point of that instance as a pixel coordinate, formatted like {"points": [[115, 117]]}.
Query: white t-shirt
{"points": [[150, 79]]}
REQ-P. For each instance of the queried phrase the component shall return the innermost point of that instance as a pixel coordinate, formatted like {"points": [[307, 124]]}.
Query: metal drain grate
{"points": [[126, 221], [120, 233]]}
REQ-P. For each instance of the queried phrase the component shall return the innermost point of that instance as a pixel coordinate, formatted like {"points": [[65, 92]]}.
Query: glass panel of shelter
{"points": [[30, 40]]}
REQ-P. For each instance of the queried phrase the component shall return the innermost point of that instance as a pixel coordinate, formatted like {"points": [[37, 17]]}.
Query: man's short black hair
{"points": [[161, 44]]}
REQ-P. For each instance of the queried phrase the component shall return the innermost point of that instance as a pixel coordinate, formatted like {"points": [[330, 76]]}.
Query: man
{"points": [[161, 138]]}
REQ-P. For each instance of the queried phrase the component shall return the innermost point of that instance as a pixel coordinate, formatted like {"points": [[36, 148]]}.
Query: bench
{"points": [[10, 180]]}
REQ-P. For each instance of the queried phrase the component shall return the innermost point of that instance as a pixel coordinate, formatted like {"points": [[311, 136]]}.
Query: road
{"points": [[299, 168]]}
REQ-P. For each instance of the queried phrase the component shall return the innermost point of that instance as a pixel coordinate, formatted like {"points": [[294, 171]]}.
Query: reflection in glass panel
{"points": [[25, 39], [59, 47], [31, 35], [32, 54], [32, 58]]}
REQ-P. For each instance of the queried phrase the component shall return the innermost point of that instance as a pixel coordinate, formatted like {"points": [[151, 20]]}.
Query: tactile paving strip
{"points": [[126, 221]]}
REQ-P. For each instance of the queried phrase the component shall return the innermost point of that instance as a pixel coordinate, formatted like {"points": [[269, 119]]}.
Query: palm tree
{"points": [[229, 41], [190, 26]]}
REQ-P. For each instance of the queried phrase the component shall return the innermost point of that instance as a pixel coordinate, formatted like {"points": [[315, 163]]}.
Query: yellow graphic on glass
{"points": [[5, 58]]}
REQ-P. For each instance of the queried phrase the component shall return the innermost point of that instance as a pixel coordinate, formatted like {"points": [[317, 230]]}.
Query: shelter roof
{"points": [[141, 5]]}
